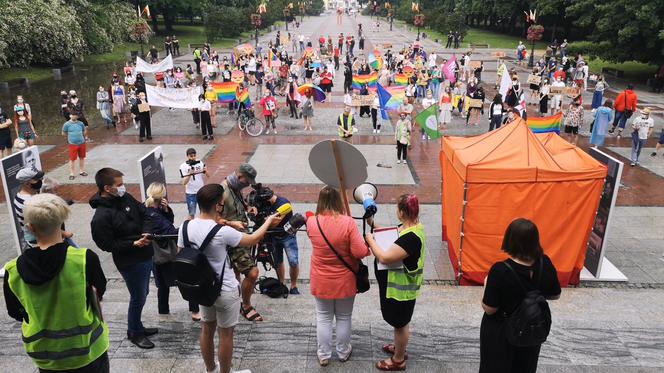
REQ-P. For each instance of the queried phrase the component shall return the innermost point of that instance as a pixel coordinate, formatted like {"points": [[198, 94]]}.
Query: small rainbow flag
{"points": [[225, 91], [375, 61], [400, 79], [244, 98], [390, 98], [369, 79], [546, 124], [271, 57]]}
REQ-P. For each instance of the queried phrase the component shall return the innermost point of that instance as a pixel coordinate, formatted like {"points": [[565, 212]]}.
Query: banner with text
{"points": [[178, 98], [163, 65]]}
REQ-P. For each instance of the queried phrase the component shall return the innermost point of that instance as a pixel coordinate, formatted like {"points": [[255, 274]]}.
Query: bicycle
{"points": [[249, 123]]}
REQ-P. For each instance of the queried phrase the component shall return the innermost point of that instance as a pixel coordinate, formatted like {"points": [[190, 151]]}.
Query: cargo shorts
{"points": [[241, 259]]}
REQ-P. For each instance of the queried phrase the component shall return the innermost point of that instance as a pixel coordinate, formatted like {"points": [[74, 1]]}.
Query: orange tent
{"points": [[492, 179]]}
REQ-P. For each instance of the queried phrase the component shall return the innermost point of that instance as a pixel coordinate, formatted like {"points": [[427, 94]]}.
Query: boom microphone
{"points": [[296, 222]]}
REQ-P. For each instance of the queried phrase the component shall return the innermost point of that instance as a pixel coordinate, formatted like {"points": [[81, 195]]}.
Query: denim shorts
{"points": [[191, 204], [288, 244]]}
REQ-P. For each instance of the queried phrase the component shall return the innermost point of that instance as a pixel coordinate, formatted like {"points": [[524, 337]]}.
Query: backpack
{"points": [[194, 275], [530, 324], [271, 287]]}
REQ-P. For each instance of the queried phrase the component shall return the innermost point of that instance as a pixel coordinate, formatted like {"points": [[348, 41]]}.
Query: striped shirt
{"points": [[19, 204]]}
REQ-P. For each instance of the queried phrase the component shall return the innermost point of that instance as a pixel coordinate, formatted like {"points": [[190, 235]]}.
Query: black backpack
{"points": [[194, 275], [271, 287], [530, 324]]}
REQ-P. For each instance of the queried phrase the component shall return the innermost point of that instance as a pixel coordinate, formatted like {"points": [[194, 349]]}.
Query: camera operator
{"points": [[235, 215], [192, 172], [283, 241]]}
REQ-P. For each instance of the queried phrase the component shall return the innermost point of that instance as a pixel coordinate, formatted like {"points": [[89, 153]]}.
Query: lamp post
{"points": [[302, 8], [286, 15], [388, 7], [419, 22], [256, 21]]}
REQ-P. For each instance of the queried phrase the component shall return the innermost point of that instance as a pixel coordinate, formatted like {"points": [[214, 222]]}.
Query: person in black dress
{"points": [[503, 294], [397, 305], [142, 117]]}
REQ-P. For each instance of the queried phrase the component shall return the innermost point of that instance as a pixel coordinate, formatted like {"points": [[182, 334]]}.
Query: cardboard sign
{"points": [[475, 103], [142, 108], [569, 91], [362, 100], [534, 79], [499, 54], [387, 46], [475, 64]]}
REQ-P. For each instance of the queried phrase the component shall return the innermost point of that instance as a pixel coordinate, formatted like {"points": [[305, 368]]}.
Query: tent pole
{"points": [[463, 222]]}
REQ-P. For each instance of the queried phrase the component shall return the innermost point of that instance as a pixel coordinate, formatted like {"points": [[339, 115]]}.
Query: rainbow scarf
{"points": [[225, 91], [546, 124], [401, 79], [370, 80], [244, 98]]}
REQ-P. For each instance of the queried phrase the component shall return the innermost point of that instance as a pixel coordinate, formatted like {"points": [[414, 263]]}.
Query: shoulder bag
{"points": [[362, 274], [628, 113]]}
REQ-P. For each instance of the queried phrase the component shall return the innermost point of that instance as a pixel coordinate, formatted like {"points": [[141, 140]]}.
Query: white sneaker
{"points": [[267, 132], [240, 371], [215, 370], [404, 161], [378, 131], [398, 161], [275, 131], [374, 131]]}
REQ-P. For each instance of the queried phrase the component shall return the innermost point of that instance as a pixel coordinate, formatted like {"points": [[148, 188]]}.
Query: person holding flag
{"points": [[402, 136], [269, 105], [428, 121]]}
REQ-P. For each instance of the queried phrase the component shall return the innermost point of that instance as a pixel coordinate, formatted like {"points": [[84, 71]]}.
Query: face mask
{"points": [[74, 96], [20, 100], [120, 191], [37, 186]]}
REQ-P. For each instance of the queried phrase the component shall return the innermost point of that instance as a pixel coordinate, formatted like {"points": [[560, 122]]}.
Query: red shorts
{"points": [[76, 151]]}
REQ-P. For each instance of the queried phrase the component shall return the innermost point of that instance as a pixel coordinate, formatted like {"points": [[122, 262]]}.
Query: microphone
{"points": [[296, 222], [285, 209]]}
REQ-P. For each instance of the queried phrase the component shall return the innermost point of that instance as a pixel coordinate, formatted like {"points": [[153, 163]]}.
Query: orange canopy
{"points": [[510, 173]]}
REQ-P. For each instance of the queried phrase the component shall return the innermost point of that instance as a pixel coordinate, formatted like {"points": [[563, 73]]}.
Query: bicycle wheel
{"points": [[241, 123], [254, 127]]}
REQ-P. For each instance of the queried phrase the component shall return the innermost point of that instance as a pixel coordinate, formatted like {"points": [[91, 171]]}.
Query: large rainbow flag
{"points": [[369, 79], [400, 79], [546, 124], [390, 98], [244, 98], [225, 91]]}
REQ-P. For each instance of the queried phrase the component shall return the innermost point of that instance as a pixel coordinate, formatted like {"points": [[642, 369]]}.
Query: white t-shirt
{"points": [[642, 125], [216, 252], [427, 102], [196, 182]]}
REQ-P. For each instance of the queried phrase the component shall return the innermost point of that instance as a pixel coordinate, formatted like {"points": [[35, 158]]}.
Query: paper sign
{"points": [[475, 64], [385, 237], [362, 100], [475, 103], [534, 79], [142, 108], [499, 54]]}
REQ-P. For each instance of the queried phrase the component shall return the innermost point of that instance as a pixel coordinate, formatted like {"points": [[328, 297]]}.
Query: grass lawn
{"points": [[496, 40], [187, 34], [634, 71]]}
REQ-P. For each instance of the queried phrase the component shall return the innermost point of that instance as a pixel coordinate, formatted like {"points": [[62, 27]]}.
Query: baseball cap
{"points": [[249, 171], [29, 173]]}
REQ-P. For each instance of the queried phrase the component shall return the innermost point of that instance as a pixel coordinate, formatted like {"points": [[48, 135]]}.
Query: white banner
{"points": [[143, 66], [178, 98]]}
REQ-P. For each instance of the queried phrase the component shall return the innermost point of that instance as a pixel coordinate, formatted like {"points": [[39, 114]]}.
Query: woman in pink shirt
{"points": [[332, 284]]}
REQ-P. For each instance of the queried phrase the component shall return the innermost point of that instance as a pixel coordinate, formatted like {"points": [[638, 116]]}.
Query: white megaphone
{"points": [[366, 194]]}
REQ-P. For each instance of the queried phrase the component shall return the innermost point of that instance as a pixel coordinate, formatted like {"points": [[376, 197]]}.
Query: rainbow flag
{"points": [[271, 57], [375, 61], [546, 124], [369, 79], [244, 98], [390, 98], [401, 79], [225, 91]]}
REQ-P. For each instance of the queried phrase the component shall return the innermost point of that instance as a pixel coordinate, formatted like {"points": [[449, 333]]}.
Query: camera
{"points": [[193, 162], [259, 198]]}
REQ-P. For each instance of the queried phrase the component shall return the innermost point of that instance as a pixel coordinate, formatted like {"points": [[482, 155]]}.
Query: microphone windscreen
{"points": [[308, 214], [285, 209]]}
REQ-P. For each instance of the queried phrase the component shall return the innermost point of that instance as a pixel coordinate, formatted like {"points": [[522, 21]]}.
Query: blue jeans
{"points": [[620, 119], [637, 145], [191, 204], [435, 89], [420, 91], [137, 279], [288, 244]]}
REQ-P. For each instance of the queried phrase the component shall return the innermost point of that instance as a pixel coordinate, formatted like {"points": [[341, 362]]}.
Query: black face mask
{"points": [[37, 186]]}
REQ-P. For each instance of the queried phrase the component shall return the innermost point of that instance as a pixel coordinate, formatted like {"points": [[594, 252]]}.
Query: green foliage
{"points": [[224, 21], [53, 32]]}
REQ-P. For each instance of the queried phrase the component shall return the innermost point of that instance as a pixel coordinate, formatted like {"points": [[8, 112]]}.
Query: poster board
{"points": [[362, 100], [385, 237], [151, 169], [498, 54], [534, 79], [475, 103], [568, 91], [475, 64], [597, 240], [11, 165]]}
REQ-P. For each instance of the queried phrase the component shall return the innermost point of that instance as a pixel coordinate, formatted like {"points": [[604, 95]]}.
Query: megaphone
{"points": [[366, 194]]}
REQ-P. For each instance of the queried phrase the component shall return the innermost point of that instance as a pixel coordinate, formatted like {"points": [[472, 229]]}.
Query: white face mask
{"points": [[121, 190]]}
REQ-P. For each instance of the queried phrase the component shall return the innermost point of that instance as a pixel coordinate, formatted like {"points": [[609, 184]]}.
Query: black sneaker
{"points": [[141, 341], [653, 154], [294, 291]]}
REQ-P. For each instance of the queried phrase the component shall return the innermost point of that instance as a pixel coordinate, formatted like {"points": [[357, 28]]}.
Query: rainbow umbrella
{"points": [[314, 90], [309, 52]]}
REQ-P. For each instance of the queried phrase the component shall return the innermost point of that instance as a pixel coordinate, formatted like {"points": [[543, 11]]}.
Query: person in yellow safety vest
{"points": [[346, 124], [54, 290], [399, 285]]}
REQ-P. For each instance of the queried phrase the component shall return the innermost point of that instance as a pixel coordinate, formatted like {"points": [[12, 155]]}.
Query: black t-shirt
{"points": [[412, 244], [3, 118], [504, 292]]}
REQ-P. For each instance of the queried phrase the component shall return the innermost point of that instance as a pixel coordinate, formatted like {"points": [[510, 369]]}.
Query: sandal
{"points": [[83, 173], [391, 366], [246, 311], [389, 348]]}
